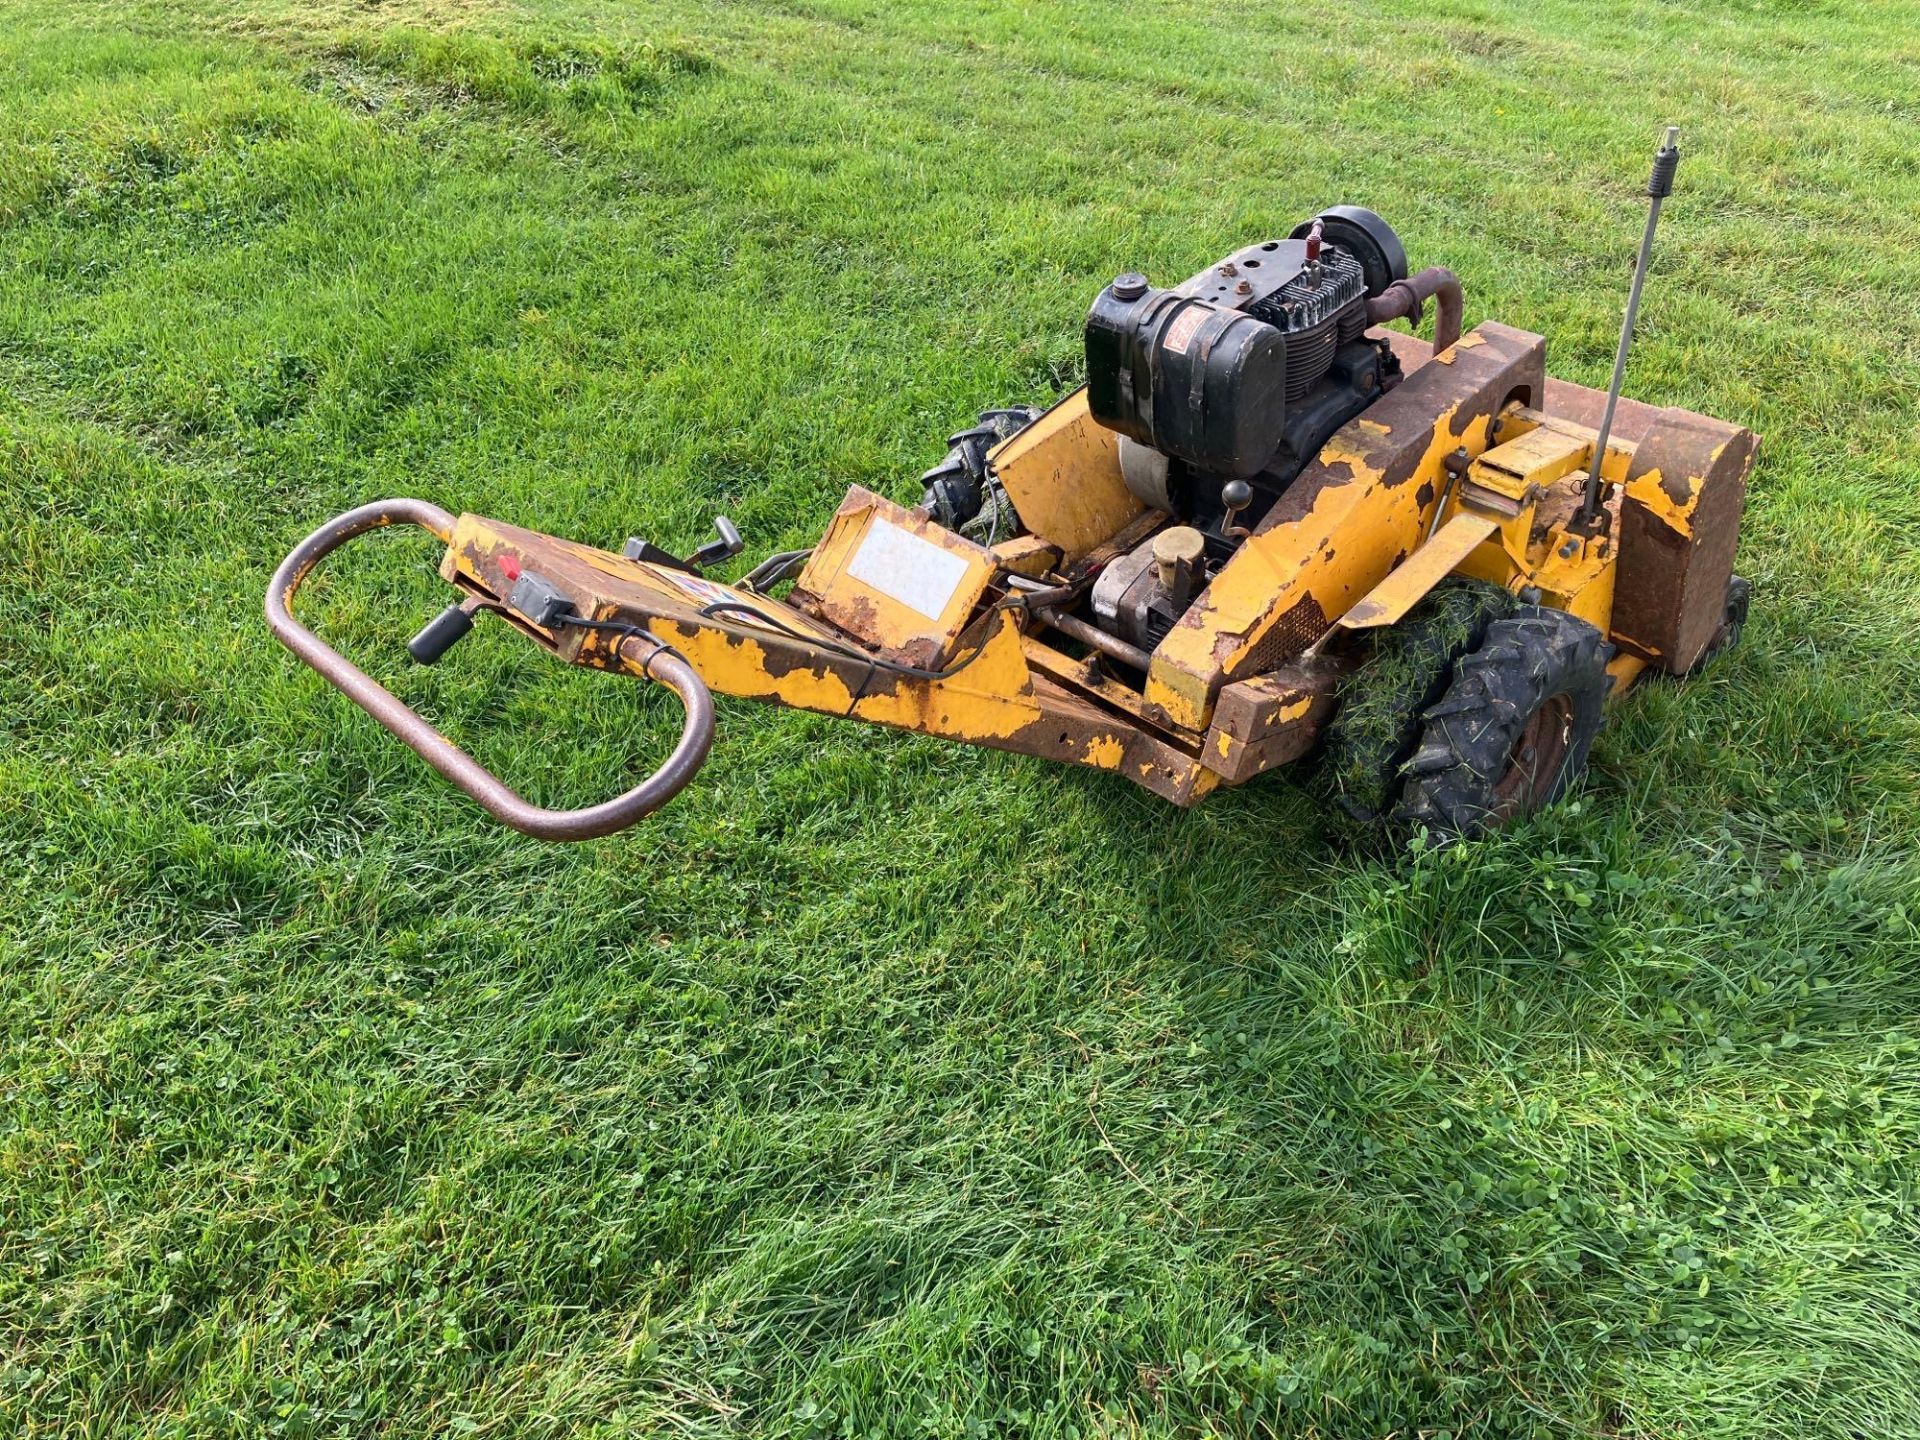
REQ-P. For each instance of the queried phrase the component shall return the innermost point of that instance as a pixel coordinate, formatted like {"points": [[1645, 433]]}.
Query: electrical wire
{"points": [[877, 662], [622, 627]]}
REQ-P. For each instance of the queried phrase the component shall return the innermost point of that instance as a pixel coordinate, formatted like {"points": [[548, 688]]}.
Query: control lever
{"points": [[443, 632], [713, 552], [1236, 495]]}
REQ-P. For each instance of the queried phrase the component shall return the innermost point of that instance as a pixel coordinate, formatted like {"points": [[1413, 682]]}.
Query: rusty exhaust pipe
{"points": [[1407, 300]]}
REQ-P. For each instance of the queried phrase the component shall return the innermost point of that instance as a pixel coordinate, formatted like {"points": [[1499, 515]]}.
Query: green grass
{"points": [[880, 1086]]}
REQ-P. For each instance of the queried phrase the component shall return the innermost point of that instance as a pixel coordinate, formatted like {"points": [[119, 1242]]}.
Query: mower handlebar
{"points": [[660, 663]]}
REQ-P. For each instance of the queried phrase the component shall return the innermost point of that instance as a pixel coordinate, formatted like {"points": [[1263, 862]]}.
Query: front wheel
{"points": [[1733, 621], [1513, 730]]}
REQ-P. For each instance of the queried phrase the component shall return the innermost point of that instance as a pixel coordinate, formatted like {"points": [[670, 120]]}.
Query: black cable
{"points": [[622, 627], [892, 667]]}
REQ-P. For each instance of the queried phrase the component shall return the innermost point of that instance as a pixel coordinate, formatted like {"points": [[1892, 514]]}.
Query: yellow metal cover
{"points": [[891, 577], [1394, 596], [1063, 475]]}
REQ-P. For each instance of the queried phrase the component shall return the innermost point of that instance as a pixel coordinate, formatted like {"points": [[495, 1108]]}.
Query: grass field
{"points": [[880, 1087]]}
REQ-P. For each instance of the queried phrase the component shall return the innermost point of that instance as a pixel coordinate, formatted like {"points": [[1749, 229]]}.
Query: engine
{"points": [[1224, 387], [1221, 390], [1246, 369]]}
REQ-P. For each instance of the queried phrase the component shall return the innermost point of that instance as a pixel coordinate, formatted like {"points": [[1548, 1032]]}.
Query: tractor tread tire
{"points": [[1383, 702], [1526, 664], [957, 488]]}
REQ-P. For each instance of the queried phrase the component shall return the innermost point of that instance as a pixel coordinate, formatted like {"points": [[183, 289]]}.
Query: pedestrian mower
{"points": [[1266, 527]]}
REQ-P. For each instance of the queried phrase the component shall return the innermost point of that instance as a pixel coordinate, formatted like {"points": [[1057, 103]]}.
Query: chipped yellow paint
{"points": [[1105, 752], [1331, 556], [1469, 341], [991, 699], [1650, 490], [1291, 711], [1224, 743]]}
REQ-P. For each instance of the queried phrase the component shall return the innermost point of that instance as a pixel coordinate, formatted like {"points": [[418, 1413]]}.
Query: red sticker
{"points": [[1184, 327]]}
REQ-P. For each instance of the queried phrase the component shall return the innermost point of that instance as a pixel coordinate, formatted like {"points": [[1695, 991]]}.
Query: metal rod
{"points": [[1659, 186], [1110, 645]]}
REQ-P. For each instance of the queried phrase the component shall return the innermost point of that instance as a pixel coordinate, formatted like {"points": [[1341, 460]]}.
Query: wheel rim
{"points": [[1533, 765]]}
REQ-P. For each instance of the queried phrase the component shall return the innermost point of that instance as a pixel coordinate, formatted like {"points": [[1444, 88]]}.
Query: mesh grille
{"points": [[1291, 633]]}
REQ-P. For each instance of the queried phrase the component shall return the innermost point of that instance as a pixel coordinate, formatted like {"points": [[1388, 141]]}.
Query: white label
{"points": [[903, 567]]}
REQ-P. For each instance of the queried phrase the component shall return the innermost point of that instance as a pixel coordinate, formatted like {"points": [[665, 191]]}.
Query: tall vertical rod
{"points": [[1659, 185]]}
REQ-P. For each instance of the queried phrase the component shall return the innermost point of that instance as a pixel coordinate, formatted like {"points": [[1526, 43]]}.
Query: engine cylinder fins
{"points": [[1309, 354], [1365, 236]]}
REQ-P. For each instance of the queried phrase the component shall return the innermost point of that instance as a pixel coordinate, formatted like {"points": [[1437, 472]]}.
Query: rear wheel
{"points": [[961, 493], [1732, 622], [1513, 731]]}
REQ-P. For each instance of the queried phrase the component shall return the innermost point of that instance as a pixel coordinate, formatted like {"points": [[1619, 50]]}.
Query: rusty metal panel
{"points": [[1679, 527], [1268, 721], [893, 578], [1026, 555], [1394, 596], [1063, 475], [1559, 399]]}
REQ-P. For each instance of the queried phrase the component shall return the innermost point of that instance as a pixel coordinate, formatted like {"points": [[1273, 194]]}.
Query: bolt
{"points": [[1245, 287]]}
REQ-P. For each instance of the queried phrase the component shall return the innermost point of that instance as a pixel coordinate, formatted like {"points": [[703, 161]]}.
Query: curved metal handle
{"points": [[660, 663]]}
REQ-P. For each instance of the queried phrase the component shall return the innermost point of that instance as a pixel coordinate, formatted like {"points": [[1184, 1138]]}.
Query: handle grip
{"points": [[657, 663]]}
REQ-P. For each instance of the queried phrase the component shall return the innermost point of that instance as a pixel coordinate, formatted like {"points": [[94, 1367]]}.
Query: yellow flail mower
{"points": [[1265, 527]]}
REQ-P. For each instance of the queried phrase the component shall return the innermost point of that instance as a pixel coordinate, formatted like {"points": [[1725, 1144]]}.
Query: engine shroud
{"points": [[1257, 404]]}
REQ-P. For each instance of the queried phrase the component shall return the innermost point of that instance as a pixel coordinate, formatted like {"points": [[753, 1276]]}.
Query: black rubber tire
{"points": [[956, 488], [1382, 702], [1732, 623], [1513, 731]]}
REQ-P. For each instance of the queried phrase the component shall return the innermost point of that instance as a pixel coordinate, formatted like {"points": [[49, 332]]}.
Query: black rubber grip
{"points": [[440, 634], [1665, 162]]}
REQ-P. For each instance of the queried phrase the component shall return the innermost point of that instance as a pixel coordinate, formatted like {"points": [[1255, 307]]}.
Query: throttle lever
{"points": [[713, 552]]}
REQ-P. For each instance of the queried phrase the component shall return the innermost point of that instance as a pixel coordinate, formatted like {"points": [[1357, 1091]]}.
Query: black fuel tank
{"points": [[1193, 380]]}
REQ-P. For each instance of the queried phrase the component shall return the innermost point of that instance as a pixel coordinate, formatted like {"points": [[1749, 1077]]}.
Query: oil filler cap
{"points": [[1130, 286], [1179, 545]]}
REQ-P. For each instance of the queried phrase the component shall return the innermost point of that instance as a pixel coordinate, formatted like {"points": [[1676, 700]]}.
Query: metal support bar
{"points": [[1109, 645], [1659, 186]]}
